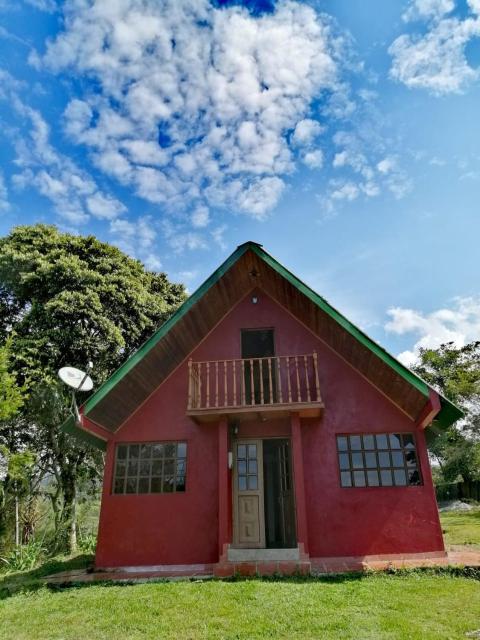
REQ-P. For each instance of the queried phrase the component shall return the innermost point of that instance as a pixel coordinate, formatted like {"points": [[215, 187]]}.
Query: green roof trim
{"points": [[448, 413], [87, 437]]}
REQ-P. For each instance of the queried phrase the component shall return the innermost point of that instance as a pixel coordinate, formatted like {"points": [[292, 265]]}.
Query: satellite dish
{"points": [[75, 378], [78, 380]]}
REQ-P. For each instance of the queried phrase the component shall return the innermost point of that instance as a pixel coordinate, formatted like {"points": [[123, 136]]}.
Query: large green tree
{"points": [[456, 373], [66, 300]]}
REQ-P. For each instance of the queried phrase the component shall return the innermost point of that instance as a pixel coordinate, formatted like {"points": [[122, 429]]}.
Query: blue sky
{"points": [[342, 135]]}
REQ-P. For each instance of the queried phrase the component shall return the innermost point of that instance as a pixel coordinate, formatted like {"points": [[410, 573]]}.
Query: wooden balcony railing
{"points": [[253, 383]]}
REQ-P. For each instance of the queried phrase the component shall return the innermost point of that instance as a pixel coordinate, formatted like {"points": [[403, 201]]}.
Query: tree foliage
{"points": [[66, 300], [455, 372]]}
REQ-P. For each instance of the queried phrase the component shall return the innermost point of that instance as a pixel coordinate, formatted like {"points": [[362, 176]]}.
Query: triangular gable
{"points": [[250, 266]]}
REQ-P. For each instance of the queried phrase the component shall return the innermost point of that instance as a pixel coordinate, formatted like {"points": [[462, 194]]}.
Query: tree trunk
{"points": [[17, 517], [68, 524]]}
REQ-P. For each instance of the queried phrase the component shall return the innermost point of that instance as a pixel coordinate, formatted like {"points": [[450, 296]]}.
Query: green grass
{"points": [[416, 604], [412, 605], [461, 527]]}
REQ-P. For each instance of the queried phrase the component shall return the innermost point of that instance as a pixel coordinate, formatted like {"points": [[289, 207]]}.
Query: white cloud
{"points": [[306, 131], [459, 324], [313, 159], [200, 217], [48, 6], [137, 238], [436, 60], [217, 235], [204, 98], [72, 191], [105, 207], [4, 203], [422, 9]]}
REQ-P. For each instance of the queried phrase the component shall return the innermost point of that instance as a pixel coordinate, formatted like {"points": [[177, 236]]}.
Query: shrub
{"points": [[24, 557], [87, 543]]}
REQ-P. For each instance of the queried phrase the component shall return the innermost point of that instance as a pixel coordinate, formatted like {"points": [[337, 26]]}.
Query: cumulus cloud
{"points": [[418, 9], [72, 191], [198, 106], [459, 324], [436, 60], [137, 238]]}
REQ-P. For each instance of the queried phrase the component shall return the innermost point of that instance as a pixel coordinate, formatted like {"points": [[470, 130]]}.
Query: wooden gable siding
{"points": [[247, 272], [173, 348], [403, 394]]}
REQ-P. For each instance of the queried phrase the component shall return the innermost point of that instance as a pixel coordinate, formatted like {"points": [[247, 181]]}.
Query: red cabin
{"points": [[259, 430]]}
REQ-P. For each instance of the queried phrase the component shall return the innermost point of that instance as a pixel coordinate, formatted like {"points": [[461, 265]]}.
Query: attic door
{"points": [[258, 349]]}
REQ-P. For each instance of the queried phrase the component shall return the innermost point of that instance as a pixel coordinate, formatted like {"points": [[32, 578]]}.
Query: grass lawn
{"points": [[461, 527], [411, 605], [422, 604]]}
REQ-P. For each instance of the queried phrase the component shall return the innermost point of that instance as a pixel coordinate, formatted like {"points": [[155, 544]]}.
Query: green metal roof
{"points": [[449, 412]]}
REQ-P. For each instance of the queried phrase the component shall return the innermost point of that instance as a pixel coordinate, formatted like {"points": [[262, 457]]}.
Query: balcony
{"points": [[254, 388]]}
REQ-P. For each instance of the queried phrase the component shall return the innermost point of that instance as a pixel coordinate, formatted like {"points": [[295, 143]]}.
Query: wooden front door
{"points": [[280, 527], [249, 518]]}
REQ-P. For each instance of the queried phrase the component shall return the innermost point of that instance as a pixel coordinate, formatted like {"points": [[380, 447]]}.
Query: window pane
{"points": [[355, 443], [397, 458], [395, 441], [118, 486], [157, 451], [132, 467], [372, 477], [182, 450], [241, 451], [344, 460], [252, 450], [180, 484], [168, 467], [242, 483], [357, 460], [368, 442], [414, 477], [170, 450], [131, 485], [156, 486], [145, 466], [411, 458], [386, 478], [399, 477], [180, 467], [383, 459], [145, 451], [143, 485], [168, 484], [370, 460], [120, 468], [133, 451], [121, 451], [252, 466], [157, 467], [342, 443], [408, 441], [346, 479], [359, 478], [252, 483], [382, 441], [242, 466]]}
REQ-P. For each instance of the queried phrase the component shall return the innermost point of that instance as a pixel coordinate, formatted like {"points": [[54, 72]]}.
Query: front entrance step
{"points": [[263, 555]]}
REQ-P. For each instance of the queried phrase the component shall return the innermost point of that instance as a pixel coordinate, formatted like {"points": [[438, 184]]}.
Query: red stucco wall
{"points": [[182, 528]]}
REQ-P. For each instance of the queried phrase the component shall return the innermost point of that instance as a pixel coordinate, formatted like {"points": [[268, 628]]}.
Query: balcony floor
{"points": [[260, 412]]}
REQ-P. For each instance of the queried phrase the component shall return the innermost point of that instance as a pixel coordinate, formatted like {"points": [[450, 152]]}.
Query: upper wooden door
{"points": [[249, 519], [259, 377]]}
